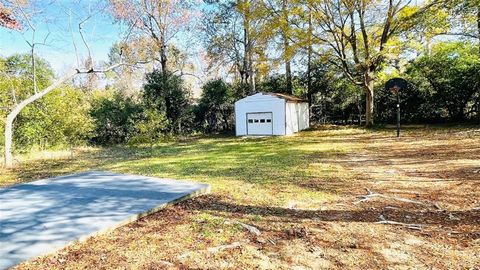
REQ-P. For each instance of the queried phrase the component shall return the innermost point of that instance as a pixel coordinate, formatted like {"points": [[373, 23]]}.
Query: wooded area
{"points": [[335, 54], [148, 88]]}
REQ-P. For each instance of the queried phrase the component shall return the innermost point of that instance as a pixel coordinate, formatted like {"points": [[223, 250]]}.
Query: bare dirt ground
{"points": [[429, 186]]}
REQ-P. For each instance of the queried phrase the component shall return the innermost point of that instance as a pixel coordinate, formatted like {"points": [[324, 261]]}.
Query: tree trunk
{"points": [[246, 72], [478, 28], [252, 78], [359, 107], [18, 108], [288, 68], [8, 143], [250, 71], [309, 77], [286, 47], [428, 46], [369, 107], [478, 113], [243, 82], [163, 59], [309, 62], [288, 76], [247, 65], [369, 104]]}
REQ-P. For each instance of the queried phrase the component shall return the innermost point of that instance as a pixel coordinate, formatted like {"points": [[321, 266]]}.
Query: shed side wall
{"points": [[291, 118], [303, 116], [297, 117]]}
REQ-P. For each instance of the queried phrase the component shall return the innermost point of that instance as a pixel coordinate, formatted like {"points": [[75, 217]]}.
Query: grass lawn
{"points": [[299, 191]]}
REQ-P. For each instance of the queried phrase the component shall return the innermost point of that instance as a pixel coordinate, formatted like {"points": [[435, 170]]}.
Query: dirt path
{"points": [[441, 169]]}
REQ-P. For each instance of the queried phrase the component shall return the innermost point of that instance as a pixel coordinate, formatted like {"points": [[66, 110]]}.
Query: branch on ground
{"points": [[223, 247], [400, 199], [383, 220], [250, 228]]}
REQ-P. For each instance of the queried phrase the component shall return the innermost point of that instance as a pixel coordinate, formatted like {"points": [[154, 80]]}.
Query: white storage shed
{"points": [[270, 114]]}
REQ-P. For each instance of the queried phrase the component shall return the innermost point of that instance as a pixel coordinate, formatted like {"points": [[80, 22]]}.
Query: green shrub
{"points": [[167, 94], [150, 128], [115, 116], [214, 111]]}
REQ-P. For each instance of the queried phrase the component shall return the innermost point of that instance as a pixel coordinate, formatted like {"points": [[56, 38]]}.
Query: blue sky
{"points": [[53, 23], [56, 21]]}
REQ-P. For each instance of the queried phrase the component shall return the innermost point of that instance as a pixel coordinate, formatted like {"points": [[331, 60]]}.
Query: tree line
{"points": [[335, 54], [358, 40], [164, 107], [252, 42]]}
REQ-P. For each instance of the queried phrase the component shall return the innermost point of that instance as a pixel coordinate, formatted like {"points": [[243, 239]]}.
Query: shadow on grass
{"points": [[214, 203], [317, 160]]}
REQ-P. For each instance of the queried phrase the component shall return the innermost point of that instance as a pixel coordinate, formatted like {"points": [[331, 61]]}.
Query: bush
{"points": [[150, 128], [60, 118], [449, 79], [115, 116], [416, 105], [167, 94], [216, 106]]}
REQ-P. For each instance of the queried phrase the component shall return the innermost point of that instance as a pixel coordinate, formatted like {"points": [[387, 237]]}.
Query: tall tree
{"points": [[287, 54], [160, 20], [233, 39], [279, 25], [309, 48], [166, 93], [215, 107], [359, 35]]}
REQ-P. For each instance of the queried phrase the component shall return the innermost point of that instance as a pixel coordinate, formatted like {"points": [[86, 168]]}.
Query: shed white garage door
{"points": [[259, 123]]}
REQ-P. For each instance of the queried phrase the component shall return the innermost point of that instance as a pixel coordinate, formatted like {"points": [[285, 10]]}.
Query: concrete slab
{"points": [[42, 216]]}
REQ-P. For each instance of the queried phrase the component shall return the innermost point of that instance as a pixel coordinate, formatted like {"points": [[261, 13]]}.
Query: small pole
{"points": [[398, 115]]}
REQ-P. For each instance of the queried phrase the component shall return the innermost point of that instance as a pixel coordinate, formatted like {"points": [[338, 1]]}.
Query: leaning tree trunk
{"points": [[8, 143], [18, 108]]}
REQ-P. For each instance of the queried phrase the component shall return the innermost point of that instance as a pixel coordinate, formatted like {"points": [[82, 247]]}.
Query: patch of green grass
{"points": [[263, 171], [213, 229], [274, 171]]}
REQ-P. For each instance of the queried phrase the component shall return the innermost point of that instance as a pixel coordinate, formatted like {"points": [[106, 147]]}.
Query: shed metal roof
{"points": [[289, 98]]}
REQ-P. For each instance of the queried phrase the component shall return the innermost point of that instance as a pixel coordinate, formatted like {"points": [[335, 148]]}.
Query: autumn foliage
{"points": [[7, 19]]}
